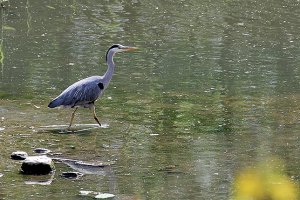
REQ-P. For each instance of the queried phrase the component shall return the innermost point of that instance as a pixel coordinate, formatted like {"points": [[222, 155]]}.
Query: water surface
{"points": [[213, 88]]}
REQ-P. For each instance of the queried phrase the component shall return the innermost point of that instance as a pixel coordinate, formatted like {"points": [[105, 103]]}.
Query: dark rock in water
{"points": [[19, 155], [37, 165], [41, 150], [71, 175]]}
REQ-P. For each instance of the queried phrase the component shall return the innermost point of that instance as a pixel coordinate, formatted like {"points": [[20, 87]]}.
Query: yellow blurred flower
{"points": [[264, 182]]}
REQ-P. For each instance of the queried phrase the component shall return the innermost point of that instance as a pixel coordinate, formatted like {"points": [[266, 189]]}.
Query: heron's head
{"points": [[120, 48]]}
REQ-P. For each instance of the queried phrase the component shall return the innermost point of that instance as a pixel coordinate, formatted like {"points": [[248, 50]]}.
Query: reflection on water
{"points": [[39, 180], [77, 128], [212, 89]]}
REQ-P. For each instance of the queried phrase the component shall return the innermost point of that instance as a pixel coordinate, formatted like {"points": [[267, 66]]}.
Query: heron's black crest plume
{"points": [[113, 46]]}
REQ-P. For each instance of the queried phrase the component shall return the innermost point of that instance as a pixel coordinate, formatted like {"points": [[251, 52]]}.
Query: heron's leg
{"points": [[94, 113], [72, 117]]}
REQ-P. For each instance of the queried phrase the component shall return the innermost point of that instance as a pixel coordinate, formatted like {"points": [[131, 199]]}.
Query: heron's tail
{"points": [[54, 103]]}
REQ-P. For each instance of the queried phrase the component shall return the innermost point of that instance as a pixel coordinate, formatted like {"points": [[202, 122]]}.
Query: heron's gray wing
{"points": [[81, 93]]}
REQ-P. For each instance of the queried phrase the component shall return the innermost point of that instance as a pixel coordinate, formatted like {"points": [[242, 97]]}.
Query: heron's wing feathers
{"points": [[81, 93]]}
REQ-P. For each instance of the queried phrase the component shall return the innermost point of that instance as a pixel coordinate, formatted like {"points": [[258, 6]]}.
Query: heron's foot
{"points": [[99, 123], [70, 128], [97, 120]]}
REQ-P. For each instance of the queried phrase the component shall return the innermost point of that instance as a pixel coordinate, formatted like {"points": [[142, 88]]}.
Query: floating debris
{"points": [[36, 106], [8, 28], [85, 193], [50, 7], [96, 195], [104, 196]]}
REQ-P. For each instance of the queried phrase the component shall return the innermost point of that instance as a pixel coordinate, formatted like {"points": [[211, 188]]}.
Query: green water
{"points": [[214, 87]]}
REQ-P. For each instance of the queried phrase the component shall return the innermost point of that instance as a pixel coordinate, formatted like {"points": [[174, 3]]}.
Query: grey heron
{"points": [[85, 92]]}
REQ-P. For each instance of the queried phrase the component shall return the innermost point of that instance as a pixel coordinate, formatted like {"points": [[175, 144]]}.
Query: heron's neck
{"points": [[111, 66]]}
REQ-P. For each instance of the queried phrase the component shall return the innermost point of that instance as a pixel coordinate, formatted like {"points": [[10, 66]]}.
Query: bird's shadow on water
{"points": [[75, 129]]}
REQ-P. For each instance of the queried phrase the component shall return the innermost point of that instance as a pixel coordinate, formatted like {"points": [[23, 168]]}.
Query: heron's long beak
{"points": [[129, 48]]}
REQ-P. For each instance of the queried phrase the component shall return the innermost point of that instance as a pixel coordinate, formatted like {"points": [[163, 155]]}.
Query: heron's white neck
{"points": [[111, 66]]}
